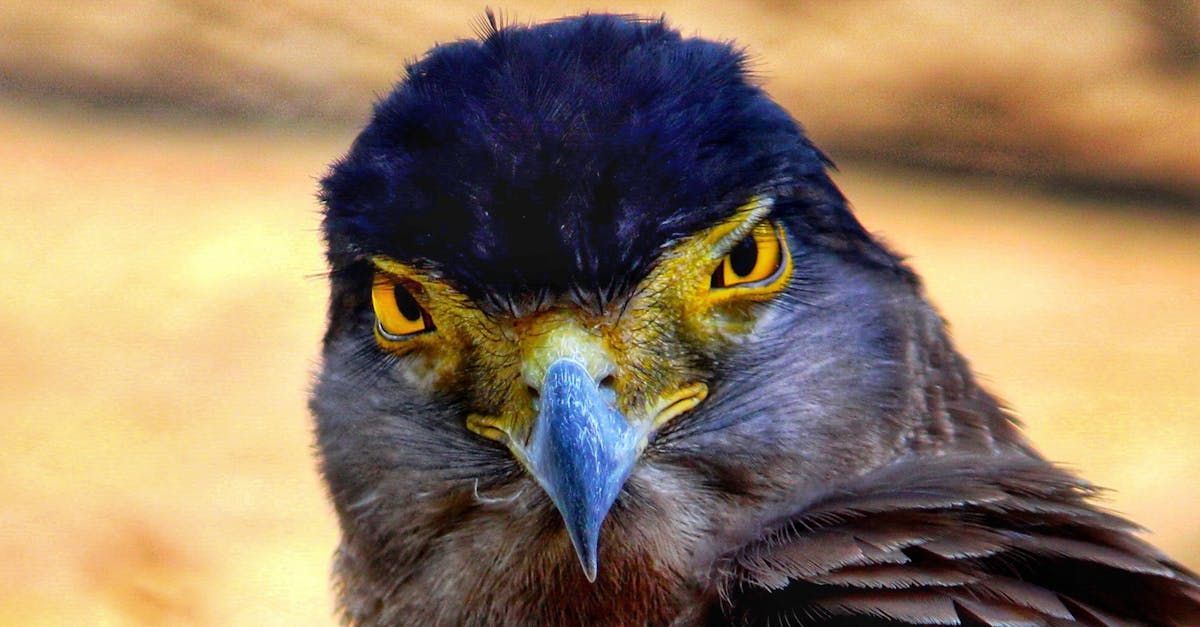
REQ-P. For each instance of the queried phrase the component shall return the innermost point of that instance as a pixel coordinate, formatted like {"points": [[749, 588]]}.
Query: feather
{"points": [[917, 607], [895, 576], [969, 612], [1010, 541], [1091, 615], [806, 556], [1090, 552], [1025, 594], [965, 542], [614, 168]]}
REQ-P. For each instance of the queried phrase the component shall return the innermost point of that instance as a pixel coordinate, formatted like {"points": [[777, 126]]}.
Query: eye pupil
{"points": [[744, 256], [407, 304]]}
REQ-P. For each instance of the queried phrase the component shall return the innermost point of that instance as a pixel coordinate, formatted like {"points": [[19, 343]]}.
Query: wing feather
{"points": [[954, 541]]}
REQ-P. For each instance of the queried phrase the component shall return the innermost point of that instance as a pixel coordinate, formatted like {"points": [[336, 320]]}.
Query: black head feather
{"points": [[563, 157]]}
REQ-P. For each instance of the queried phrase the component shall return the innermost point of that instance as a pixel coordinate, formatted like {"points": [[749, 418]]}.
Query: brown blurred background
{"points": [[1037, 160]]}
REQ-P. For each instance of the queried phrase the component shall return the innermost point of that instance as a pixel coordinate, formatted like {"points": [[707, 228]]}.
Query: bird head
{"points": [[593, 257]]}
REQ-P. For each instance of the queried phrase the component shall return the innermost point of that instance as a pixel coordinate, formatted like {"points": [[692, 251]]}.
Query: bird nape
{"points": [[606, 346]]}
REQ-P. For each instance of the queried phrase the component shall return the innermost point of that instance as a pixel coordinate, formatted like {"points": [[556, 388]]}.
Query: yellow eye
{"points": [[397, 312], [758, 260]]}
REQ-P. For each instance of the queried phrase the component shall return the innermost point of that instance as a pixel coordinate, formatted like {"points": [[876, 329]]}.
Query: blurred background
{"points": [[1038, 161]]}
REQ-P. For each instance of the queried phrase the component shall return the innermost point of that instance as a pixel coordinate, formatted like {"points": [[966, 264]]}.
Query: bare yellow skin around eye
{"points": [[681, 289], [652, 340], [443, 337]]}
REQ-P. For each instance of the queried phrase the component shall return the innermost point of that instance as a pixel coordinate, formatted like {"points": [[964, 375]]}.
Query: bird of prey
{"points": [[606, 345]]}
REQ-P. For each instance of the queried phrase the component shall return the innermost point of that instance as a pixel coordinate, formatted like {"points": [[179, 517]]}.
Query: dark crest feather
{"points": [[563, 157]]}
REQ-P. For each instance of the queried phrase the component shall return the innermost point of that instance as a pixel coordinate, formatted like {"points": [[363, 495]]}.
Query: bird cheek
{"points": [[723, 323]]}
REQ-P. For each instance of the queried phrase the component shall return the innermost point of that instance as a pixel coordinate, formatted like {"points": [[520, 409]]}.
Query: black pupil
{"points": [[743, 256], [407, 304]]}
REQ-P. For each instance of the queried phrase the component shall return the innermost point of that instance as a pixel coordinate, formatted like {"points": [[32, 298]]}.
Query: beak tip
{"points": [[587, 550]]}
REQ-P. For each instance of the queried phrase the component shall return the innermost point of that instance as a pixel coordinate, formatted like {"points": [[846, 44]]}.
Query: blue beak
{"points": [[581, 451]]}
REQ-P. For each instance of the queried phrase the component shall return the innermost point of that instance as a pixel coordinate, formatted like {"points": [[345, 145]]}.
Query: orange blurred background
{"points": [[1036, 160]]}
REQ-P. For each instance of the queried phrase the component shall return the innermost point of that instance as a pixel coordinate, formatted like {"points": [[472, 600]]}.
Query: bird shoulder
{"points": [[953, 540]]}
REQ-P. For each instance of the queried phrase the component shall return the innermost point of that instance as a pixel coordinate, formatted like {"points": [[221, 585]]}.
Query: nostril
{"points": [[608, 390], [533, 392]]}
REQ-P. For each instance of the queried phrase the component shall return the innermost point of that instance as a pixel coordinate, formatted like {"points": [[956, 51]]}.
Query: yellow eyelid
{"points": [[431, 285], [725, 236], [398, 269]]}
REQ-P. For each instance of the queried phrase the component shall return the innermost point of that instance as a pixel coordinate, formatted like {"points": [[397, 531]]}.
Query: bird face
{"points": [[577, 393], [591, 259], [587, 277]]}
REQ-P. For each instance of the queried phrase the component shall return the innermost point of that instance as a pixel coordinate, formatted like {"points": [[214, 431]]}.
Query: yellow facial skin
{"points": [[643, 350]]}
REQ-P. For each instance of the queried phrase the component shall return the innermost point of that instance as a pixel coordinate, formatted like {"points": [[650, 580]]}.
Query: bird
{"points": [[606, 345]]}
